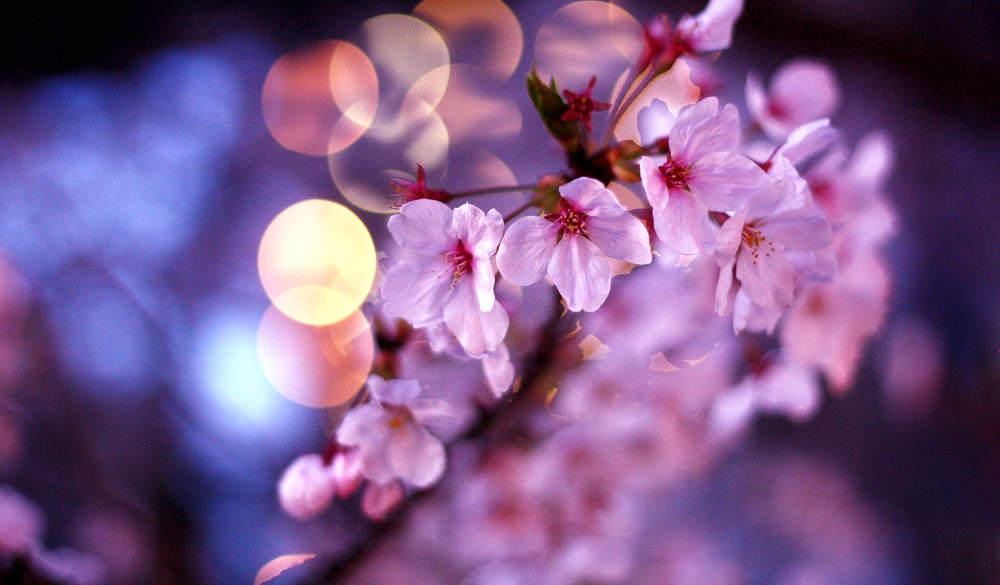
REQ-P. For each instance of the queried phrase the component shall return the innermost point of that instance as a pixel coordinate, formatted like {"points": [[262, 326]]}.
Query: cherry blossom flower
{"points": [[391, 436], [849, 189], [702, 173], [711, 29], [801, 91], [413, 190], [582, 105], [573, 244], [754, 247], [781, 387], [830, 322], [445, 274], [21, 524]]}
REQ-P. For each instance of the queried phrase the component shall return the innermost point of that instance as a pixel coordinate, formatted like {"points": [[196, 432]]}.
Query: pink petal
{"points": [[752, 317], [591, 197], [481, 232], [478, 332], [801, 230], [581, 273], [417, 457], [417, 288], [808, 140], [756, 98], [768, 280], [712, 29], [872, 160], [653, 182], [423, 225], [806, 90], [483, 279], [623, 237], [724, 288], [399, 392], [724, 181], [655, 121], [683, 224], [526, 249], [702, 130], [379, 500], [499, 370]]}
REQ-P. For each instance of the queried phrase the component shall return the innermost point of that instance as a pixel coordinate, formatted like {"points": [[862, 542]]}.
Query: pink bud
{"points": [[307, 486]]}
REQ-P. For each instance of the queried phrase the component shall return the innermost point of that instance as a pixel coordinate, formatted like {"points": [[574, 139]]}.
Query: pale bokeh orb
{"points": [[317, 262], [318, 367]]}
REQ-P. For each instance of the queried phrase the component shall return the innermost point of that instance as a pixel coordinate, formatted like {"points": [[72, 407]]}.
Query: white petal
{"points": [[526, 249], [683, 224], [417, 457], [581, 273], [725, 181], [623, 237], [423, 225], [417, 288]]}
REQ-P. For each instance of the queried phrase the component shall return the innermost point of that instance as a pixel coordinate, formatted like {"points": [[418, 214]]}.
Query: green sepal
{"points": [[551, 107]]}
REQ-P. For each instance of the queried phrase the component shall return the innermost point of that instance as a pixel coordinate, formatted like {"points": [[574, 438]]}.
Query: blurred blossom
{"points": [[21, 523], [307, 486], [801, 91], [914, 370]]}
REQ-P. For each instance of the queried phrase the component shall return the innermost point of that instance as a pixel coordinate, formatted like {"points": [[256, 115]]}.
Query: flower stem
{"points": [[521, 209], [491, 190]]}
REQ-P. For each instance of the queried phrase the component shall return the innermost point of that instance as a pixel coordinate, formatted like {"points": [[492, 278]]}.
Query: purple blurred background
{"points": [[136, 180]]}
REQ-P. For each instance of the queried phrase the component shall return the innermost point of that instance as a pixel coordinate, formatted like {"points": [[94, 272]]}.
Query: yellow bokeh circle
{"points": [[317, 262]]}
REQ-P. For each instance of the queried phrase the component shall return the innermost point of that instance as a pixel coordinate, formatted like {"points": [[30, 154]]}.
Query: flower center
{"points": [[571, 221], [756, 242], [675, 174], [398, 416], [460, 260]]}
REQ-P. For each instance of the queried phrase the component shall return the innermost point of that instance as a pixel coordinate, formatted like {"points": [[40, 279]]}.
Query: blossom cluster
{"points": [[749, 268]]}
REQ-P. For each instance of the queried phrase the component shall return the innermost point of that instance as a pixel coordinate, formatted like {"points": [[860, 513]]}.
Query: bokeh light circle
{"points": [[584, 39], [404, 49], [482, 33], [320, 98], [317, 262], [318, 367]]}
